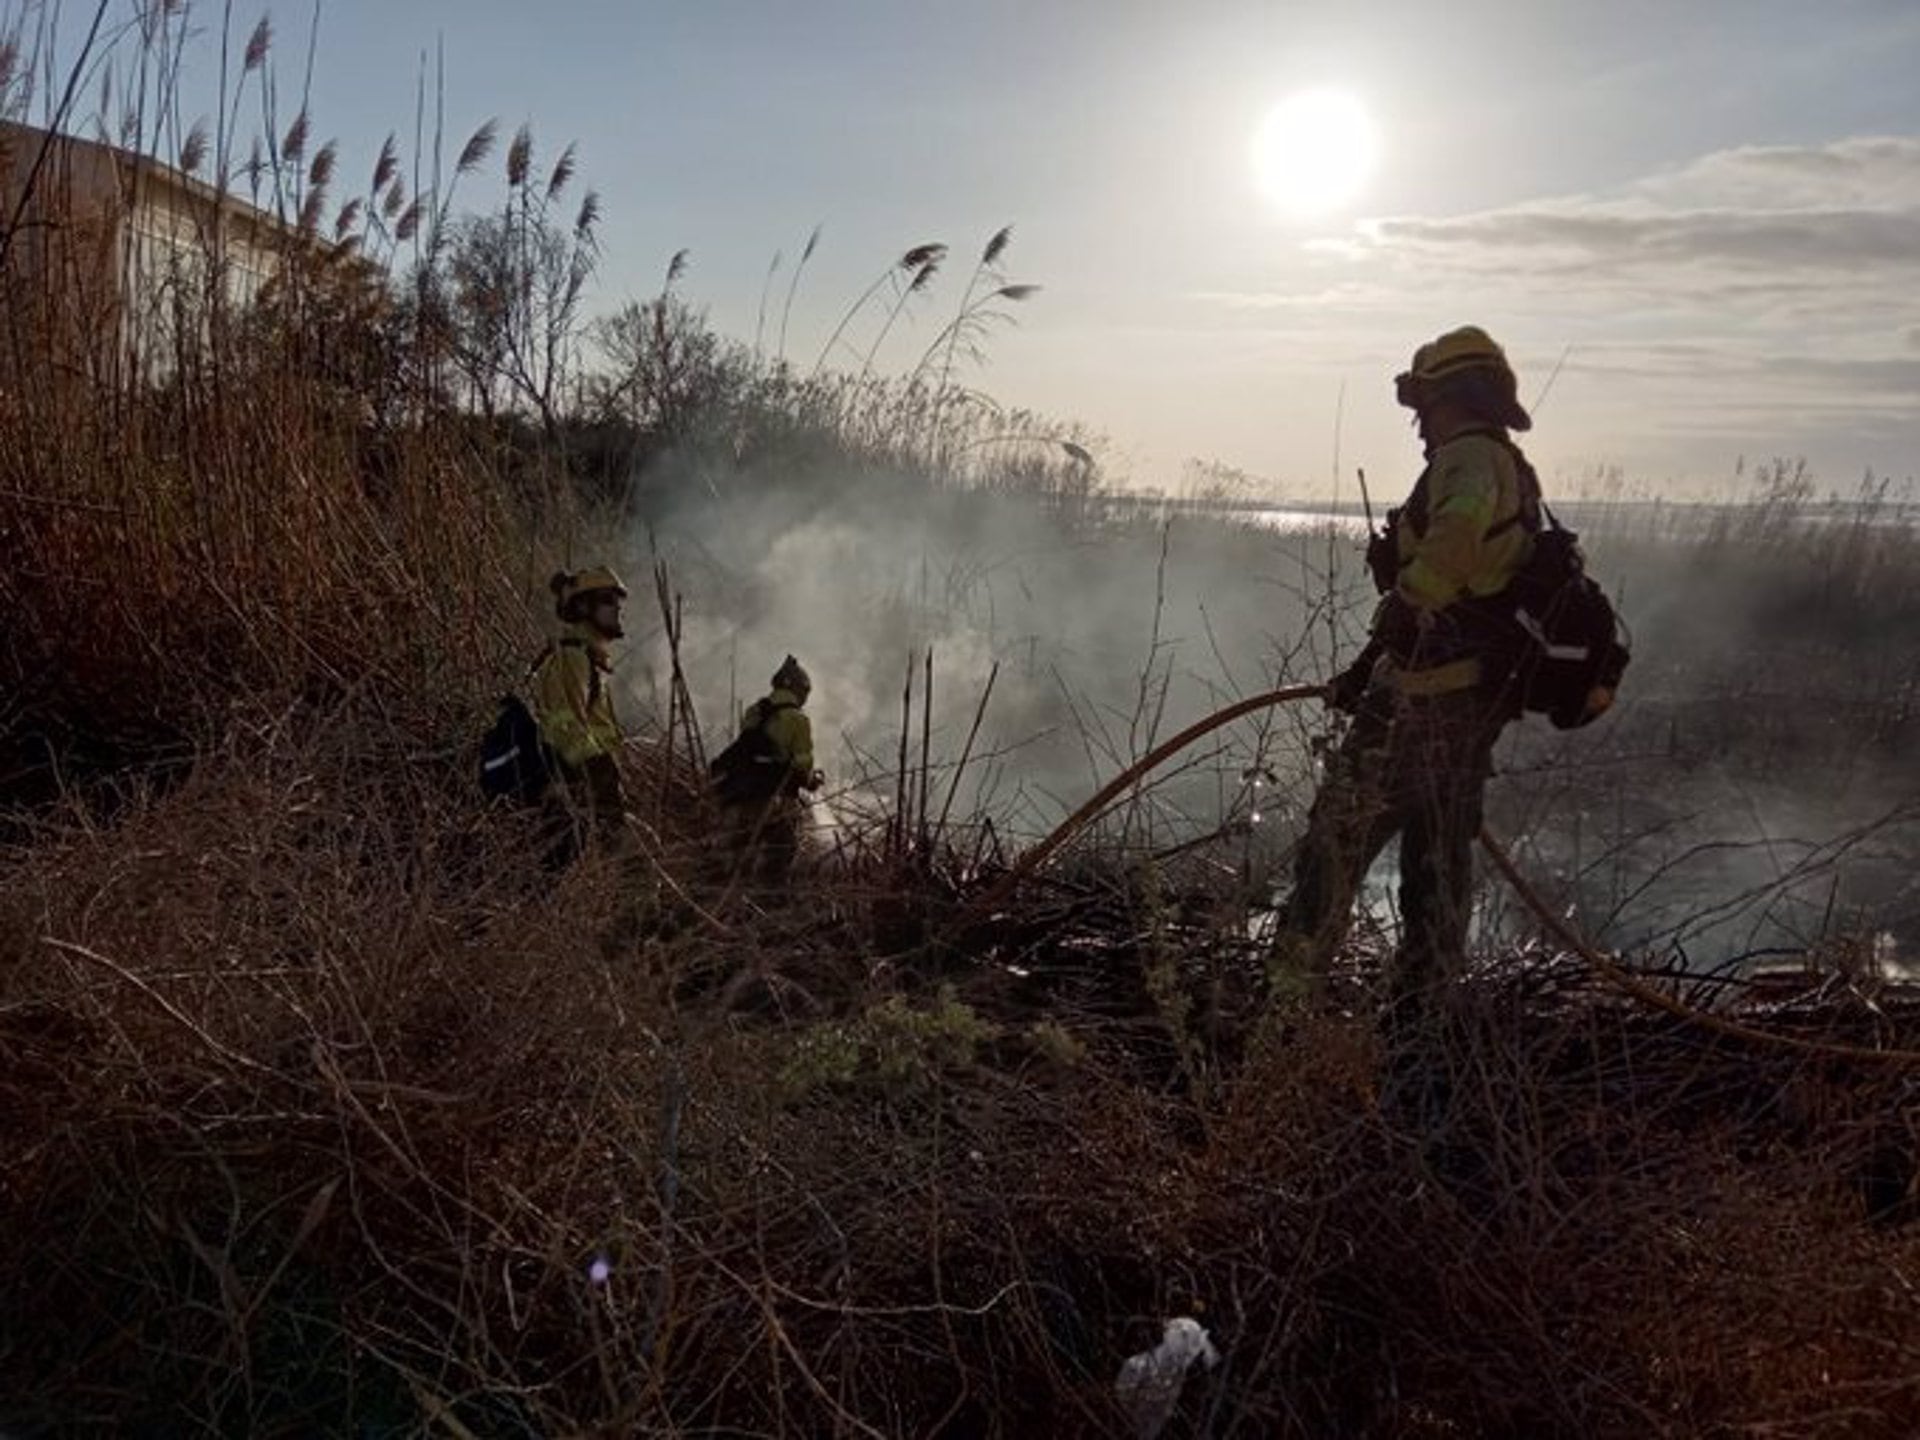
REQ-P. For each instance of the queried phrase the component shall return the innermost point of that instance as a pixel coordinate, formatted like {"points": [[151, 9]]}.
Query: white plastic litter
{"points": [[1150, 1382]]}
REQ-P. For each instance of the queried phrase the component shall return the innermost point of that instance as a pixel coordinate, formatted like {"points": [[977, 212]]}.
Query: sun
{"points": [[1315, 151]]}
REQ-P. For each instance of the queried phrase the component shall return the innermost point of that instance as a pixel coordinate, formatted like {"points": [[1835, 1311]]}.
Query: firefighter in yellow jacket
{"points": [[758, 779], [1432, 690], [573, 703]]}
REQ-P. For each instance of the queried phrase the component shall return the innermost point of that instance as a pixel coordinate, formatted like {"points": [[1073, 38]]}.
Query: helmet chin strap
{"points": [[1428, 420]]}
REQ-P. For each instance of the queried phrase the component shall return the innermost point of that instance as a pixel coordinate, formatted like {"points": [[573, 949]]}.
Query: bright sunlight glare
{"points": [[1314, 152]]}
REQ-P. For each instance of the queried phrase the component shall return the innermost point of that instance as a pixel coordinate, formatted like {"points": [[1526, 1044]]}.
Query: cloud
{"points": [[1766, 292], [1898, 376], [1706, 363], [1753, 223], [1347, 295], [1862, 172], [1689, 406], [1809, 236], [1755, 299], [1558, 243]]}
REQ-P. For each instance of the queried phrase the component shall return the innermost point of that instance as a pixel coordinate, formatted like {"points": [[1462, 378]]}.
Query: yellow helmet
{"points": [[1466, 367], [569, 587]]}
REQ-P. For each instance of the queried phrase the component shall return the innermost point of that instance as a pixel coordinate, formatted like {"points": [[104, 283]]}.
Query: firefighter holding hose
{"points": [[1432, 690]]}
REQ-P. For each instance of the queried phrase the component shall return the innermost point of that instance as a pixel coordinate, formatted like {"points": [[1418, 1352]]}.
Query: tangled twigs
{"points": [[1614, 973], [174, 1012], [1028, 863], [1621, 978]]}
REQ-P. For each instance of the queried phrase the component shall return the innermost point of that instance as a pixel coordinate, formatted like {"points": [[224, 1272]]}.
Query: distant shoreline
{"points": [[1295, 514]]}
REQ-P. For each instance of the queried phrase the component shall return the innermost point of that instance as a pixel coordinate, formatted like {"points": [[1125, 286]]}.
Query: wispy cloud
{"points": [[1874, 172], [1752, 227], [1767, 291], [1348, 295], [1753, 223], [1560, 243]]}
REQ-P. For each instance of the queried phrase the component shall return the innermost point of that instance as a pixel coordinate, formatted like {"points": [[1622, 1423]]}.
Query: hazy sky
{"points": [[1716, 205]]}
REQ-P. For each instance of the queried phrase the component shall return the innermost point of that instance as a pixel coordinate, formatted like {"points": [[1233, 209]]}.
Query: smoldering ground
{"points": [[1749, 793], [1107, 632], [1758, 787]]}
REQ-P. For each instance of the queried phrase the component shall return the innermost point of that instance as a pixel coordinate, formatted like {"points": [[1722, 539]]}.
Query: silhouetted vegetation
{"points": [[324, 1109]]}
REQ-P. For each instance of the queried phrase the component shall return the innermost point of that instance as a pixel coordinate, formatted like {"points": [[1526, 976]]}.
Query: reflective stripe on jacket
{"points": [[787, 726]]}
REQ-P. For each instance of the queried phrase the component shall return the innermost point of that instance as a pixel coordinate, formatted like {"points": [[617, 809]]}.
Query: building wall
{"points": [[119, 260], [61, 282], [186, 255]]}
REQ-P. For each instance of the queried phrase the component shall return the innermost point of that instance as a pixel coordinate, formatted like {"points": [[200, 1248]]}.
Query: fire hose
{"points": [[1609, 969]]}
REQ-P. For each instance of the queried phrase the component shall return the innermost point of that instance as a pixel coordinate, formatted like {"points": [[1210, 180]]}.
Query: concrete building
{"points": [[116, 260]]}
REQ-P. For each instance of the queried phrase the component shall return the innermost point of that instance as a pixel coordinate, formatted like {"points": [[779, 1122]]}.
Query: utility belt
{"points": [[1448, 679], [1473, 640], [1469, 643]]}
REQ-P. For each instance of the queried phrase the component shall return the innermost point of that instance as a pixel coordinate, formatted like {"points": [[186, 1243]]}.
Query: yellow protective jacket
{"points": [[1463, 534], [1468, 535], [779, 715], [573, 699]]}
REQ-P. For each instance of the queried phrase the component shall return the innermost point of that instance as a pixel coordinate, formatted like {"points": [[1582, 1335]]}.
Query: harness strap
{"points": [[1465, 672], [568, 642], [764, 711], [1532, 502]]}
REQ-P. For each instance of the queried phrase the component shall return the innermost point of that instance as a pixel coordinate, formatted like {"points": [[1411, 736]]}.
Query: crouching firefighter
{"points": [[759, 778], [1430, 693], [573, 705]]}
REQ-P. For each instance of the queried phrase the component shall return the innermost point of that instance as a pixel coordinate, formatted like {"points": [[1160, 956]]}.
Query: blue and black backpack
{"points": [[515, 763]]}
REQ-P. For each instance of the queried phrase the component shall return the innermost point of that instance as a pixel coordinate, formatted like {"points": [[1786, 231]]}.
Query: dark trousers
{"points": [[585, 807], [763, 840], [1412, 766]]}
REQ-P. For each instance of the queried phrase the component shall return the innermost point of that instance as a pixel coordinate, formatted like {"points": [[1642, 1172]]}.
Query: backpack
{"points": [[1552, 621], [752, 769], [515, 763], [1570, 639]]}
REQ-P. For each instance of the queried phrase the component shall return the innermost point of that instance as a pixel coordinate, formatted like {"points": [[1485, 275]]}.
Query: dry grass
{"points": [[323, 1103], [324, 1109]]}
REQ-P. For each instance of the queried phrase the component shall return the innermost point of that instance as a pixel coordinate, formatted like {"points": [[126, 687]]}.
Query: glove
{"points": [[1397, 626], [1383, 555], [1350, 686]]}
